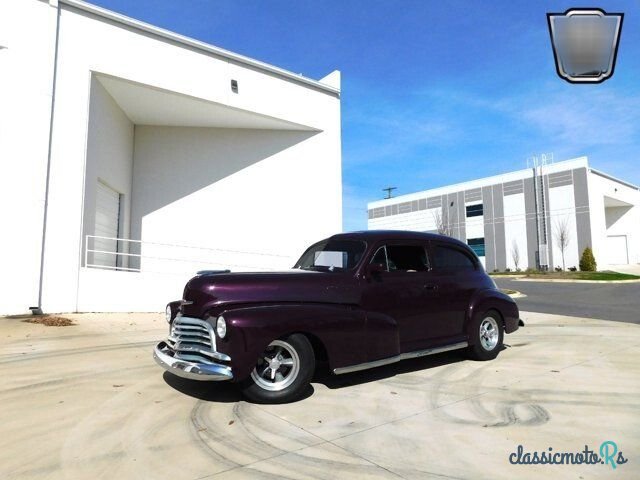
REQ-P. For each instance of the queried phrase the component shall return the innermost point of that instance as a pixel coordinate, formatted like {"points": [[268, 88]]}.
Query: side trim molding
{"points": [[397, 358]]}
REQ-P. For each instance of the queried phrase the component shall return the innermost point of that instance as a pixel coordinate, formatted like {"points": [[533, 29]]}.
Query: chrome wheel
{"points": [[489, 333], [277, 368]]}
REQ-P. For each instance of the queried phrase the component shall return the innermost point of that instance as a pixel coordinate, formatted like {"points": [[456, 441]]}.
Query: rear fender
{"points": [[492, 299]]}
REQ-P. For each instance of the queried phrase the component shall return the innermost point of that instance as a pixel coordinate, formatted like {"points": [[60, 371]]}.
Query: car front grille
{"points": [[193, 340]]}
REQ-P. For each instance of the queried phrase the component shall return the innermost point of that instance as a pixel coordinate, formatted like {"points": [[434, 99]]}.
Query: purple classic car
{"points": [[355, 301]]}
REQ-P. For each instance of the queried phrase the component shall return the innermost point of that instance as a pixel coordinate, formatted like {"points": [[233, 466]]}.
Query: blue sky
{"points": [[433, 93]]}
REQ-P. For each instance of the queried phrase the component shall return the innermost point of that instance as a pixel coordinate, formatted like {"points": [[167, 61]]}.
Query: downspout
{"points": [[38, 310]]}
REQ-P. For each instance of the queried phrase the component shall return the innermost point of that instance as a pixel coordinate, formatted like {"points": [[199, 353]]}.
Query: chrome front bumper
{"points": [[191, 370]]}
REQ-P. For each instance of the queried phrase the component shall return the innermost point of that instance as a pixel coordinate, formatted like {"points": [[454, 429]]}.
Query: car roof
{"points": [[371, 236]]}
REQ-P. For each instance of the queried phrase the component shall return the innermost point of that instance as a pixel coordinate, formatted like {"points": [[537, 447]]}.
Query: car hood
{"points": [[219, 290]]}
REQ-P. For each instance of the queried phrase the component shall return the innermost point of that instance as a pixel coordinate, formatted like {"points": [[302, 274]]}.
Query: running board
{"points": [[397, 358]]}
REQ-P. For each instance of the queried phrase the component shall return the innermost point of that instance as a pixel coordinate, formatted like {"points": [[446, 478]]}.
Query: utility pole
{"points": [[388, 190]]}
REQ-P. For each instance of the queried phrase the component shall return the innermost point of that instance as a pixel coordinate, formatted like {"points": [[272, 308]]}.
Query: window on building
{"points": [[477, 245], [475, 210], [448, 257]]}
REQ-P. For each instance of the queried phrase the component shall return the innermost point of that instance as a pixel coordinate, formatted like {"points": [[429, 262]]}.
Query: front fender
{"points": [[492, 299], [250, 329]]}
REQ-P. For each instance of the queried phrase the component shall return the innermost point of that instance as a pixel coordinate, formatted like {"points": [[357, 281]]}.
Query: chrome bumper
{"points": [[190, 370]]}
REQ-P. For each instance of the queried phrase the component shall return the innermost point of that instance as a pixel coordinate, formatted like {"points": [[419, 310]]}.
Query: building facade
{"points": [[529, 218], [132, 157]]}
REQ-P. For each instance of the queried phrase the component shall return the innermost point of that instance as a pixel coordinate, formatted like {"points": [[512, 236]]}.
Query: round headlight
{"points": [[221, 327], [167, 313]]}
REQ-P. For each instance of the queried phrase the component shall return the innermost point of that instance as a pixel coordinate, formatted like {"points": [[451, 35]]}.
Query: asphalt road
{"points": [[606, 301]]}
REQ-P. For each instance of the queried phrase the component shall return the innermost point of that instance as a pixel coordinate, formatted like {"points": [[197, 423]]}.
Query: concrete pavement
{"points": [[88, 402]]}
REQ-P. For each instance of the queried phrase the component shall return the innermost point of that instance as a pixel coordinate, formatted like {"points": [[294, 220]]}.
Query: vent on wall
{"points": [[234, 86]]}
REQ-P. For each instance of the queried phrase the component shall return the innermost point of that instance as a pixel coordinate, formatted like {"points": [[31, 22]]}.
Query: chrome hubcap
{"points": [[277, 368], [489, 333]]}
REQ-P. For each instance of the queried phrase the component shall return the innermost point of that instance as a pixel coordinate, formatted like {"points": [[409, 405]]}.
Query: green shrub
{"points": [[588, 261]]}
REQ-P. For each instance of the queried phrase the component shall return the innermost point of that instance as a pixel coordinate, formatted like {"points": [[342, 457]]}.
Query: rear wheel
{"points": [[486, 336], [283, 371]]}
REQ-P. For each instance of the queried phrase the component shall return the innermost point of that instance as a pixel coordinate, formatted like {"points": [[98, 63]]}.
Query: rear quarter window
{"points": [[452, 258]]}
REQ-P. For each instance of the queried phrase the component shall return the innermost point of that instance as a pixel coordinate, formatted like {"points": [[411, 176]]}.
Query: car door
{"points": [[454, 270], [403, 291]]}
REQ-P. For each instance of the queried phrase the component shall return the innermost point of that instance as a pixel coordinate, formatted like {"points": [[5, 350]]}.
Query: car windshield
{"points": [[332, 255]]}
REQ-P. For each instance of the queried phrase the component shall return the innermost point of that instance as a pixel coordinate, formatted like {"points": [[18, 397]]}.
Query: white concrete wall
{"points": [[562, 209], [27, 31], [628, 224], [89, 44], [109, 158], [515, 230], [259, 191]]}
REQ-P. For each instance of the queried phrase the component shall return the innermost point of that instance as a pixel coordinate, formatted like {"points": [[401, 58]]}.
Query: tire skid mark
{"points": [[520, 410], [76, 351], [71, 379], [253, 436]]}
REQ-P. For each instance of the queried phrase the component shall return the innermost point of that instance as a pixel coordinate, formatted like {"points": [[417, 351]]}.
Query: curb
{"points": [[517, 294], [564, 280]]}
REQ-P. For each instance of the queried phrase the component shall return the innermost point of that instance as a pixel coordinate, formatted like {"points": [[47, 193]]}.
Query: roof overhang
{"points": [[148, 105], [328, 87]]}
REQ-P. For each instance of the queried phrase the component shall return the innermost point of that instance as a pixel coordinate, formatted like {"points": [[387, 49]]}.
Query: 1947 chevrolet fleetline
{"points": [[355, 300]]}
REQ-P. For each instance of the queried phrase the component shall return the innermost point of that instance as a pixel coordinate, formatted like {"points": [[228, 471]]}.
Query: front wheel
{"points": [[283, 371], [486, 336]]}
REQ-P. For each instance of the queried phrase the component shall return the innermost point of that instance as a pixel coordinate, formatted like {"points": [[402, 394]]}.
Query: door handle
{"points": [[431, 286]]}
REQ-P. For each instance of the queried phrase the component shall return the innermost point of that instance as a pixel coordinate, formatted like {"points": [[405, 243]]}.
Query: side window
{"points": [[381, 257], [407, 258], [448, 257]]}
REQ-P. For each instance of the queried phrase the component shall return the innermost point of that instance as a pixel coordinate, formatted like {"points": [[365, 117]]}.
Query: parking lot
{"points": [[87, 401]]}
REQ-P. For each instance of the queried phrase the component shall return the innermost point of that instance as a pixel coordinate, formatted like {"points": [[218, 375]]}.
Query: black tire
{"points": [[485, 336], [286, 376]]}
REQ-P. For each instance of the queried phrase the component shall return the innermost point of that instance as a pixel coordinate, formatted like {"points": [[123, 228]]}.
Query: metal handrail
{"points": [[88, 250]]}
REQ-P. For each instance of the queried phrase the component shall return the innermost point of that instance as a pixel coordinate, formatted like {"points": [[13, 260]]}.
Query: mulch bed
{"points": [[50, 321]]}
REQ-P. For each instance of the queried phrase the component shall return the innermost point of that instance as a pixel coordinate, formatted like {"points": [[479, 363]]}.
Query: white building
{"points": [[132, 156], [524, 212]]}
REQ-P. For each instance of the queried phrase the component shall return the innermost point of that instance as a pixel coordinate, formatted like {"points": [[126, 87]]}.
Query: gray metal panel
{"points": [[405, 207], [387, 210], [422, 204], [547, 213], [473, 195], [499, 233], [560, 179], [530, 214], [434, 202], [583, 219], [394, 209], [370, 214], [512, 188], [453, 214], [462, 216], [414, 206], [489, 240], [445, 211]]}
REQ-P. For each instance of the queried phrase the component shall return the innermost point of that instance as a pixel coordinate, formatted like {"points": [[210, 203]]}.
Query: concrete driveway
{"points": [[88, 402]]}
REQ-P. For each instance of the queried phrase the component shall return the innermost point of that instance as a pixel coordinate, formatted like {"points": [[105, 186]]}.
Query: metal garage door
{"points": [[107, 225], [616, 250]]}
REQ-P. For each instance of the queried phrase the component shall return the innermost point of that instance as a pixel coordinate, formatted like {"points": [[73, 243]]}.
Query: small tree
{"points": [[562, 235], [515, 253], [588, 261], [442, 226]]}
